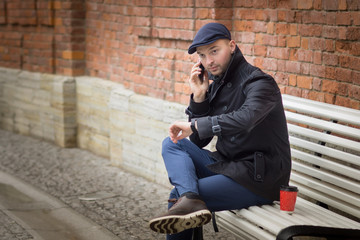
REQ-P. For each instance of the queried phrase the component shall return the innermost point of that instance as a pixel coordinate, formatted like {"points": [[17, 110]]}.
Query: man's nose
{"points": [[209, 61]]}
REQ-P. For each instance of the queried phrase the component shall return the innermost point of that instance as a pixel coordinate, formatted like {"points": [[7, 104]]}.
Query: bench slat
{"points": [[344, 156], [326, 188], [338, 141], [279, 221], [327, 164], [341, 182], [325, 125], [338, 109], [322, 213], [321, 109], [246, 213], [355, 211], [294, 219], [235, 224]]}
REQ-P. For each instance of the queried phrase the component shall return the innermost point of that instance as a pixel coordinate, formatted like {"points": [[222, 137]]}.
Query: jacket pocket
{"points": [[259, 166]]}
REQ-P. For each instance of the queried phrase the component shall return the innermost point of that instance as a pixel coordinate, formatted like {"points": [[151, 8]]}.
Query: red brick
{"points": [[305, 4], [355, 92], [304, 82], [170, 3], [293, 67], [317, 57], [282, 28], [344, 75], [330, 86], [330, 5], [173, 12], [278, 53], [292, 79], [343, 18], [244, 14], [305, 55], [355, 16], [317, 70], [314, 17], [353, 33], [260, 50], [310, 30], [304, 43], [317, 84], [270, 64], [243, 26], [293, 41], [317, 44], [294, 91], [305, 68], [330, 59], [353, 5], [330, 72], [330, 32], [342, 5]]}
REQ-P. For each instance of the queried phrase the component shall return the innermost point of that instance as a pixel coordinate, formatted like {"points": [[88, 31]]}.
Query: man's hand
{"points": [[179, 130], [198, 87]]}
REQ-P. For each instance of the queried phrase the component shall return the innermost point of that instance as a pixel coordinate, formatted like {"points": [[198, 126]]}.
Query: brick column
{"points": [[69, 34]]}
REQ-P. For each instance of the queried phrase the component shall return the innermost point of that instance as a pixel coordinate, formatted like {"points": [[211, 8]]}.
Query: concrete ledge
{"points": [[91, 113], [127, 128], [40, 105]]}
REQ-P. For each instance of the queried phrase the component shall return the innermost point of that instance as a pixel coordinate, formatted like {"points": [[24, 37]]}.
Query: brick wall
{"points": [[43, 36], [311, 47]]}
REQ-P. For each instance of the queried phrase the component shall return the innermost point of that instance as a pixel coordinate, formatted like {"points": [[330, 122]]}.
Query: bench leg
{"points": [[198, 234]]}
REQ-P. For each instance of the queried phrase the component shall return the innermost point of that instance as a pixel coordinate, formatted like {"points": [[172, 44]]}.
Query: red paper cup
{"points": [[288, 196]]}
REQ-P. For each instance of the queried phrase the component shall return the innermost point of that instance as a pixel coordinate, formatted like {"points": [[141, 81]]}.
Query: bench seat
{"points": [[265, 222], [325, 149]]}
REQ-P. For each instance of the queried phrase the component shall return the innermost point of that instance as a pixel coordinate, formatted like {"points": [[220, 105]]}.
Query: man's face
{"points": [[216, 56]]}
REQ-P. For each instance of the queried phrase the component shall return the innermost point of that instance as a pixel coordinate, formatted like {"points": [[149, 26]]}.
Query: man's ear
{"points": [[232, 45]]}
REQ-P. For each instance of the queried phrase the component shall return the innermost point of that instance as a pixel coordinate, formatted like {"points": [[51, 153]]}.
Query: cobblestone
{"points": [[68, 174], [11, 230]]}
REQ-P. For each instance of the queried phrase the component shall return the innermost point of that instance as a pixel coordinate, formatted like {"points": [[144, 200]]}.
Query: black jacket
{"points": [[244, 109]]}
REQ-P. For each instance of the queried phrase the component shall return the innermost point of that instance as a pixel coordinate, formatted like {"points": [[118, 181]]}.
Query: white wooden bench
{"points": [[325, 147]]}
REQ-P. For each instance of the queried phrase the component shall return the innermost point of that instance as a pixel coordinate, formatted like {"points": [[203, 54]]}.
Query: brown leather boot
{"points": [[186, 213]]}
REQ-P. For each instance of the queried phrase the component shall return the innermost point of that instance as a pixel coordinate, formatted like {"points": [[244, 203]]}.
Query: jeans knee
{"points": [[167, 144]]}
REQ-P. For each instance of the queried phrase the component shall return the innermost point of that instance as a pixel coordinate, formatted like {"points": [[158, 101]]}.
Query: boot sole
{"points": [[175, 223]]}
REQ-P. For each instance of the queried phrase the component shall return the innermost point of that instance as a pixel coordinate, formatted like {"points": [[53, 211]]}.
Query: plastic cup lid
{"points": [[289, 188]]}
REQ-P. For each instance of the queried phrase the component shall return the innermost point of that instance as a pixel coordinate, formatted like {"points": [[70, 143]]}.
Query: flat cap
{"points": [[208, 34]]}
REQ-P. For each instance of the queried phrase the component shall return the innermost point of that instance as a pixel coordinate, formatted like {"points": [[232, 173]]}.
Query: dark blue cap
{"points": [[208, 34]]}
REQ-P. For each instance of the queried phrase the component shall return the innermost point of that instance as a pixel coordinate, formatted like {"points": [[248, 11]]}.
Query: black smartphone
{"points": [[201, 75]]}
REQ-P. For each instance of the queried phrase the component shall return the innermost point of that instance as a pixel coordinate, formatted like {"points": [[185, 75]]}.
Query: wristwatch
{"points": [[193, 128]]}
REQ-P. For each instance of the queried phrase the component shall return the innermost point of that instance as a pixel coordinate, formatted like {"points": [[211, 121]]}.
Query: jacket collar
{"points": [[237, 59]]}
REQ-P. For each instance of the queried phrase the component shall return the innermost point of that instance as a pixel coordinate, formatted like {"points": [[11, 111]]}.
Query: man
{"points": [[243, 108]]}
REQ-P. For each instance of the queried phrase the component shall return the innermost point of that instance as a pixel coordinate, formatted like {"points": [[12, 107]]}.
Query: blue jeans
{"points": [[186, 166]]}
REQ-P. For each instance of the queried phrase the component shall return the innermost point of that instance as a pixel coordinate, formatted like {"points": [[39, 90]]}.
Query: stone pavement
{"points": [[116, 200]]}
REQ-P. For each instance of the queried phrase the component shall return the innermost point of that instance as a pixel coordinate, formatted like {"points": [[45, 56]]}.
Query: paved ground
{"points": [[124, 202]]}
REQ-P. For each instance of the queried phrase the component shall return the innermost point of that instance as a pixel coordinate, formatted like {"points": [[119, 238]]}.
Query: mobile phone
{"points": [[201, 75]]}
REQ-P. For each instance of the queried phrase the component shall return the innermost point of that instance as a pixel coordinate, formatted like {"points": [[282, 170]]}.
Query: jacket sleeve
{"points": [[198, 110], [262, 94]]}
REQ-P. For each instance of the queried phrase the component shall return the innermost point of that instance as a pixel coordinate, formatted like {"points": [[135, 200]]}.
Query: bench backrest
{"points": [[325, 147]]}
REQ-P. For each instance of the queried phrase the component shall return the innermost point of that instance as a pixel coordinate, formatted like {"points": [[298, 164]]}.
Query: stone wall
{"points": [[125, 127], [91, 113], [39, 105]]}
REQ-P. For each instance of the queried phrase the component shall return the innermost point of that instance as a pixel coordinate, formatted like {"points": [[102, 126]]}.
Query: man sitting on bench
{"points": [[242, 107]]}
